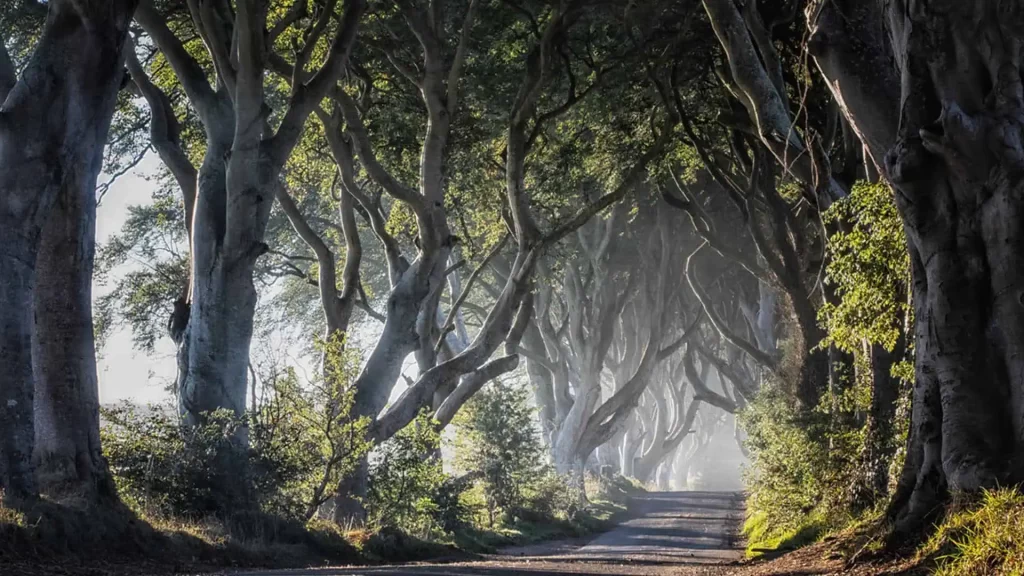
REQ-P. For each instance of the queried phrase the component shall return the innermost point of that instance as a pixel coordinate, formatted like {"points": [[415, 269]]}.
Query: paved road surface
{"points": [[683, 533]]}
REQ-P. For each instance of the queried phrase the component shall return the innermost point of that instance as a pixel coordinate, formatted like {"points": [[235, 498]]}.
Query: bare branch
{"points": [[720, 325], [104, 187], [700, 389], [306, 97], [163, 134], [471, 383], [364, 150], [449, 320], [455, 72], [212, 30], [327, 280], [341, 151]]}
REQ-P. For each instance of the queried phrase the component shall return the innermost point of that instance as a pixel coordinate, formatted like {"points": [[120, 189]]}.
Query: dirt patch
{"points": [[830, 558]]}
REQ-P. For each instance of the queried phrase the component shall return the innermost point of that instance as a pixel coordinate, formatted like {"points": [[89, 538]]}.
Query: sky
{"points": [[124, 373]]}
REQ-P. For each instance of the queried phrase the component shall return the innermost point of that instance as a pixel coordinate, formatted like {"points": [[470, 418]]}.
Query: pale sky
{"points": [[125, 373]]}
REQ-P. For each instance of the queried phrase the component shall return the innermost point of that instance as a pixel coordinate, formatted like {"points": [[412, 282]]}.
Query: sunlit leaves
{"points": [[869, 268]]}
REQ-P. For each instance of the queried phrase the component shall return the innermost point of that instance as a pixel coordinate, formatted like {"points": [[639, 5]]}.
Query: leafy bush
{"points": [[800, 467], [406, 479], [301, 443], [498, 437], [548, 494], [162, 467], [869, 268], [303, 437], [816, 471]]}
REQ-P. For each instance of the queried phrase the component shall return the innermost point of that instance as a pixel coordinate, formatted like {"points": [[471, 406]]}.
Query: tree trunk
{"points": [[67, 427], [565, 452], [53, 125], [629, 447], [664, 476], [952, 149], [213, 357], [379, 375], [541, 380], [878, 443]]}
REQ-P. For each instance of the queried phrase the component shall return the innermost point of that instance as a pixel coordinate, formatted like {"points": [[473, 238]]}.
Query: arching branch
{"points": [[719, 324]]}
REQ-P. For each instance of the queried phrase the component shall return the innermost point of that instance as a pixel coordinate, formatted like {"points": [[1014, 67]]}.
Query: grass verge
{"points": [[980, 537]]}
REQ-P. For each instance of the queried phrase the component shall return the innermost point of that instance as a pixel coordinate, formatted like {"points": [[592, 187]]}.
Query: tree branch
{"points": [[759, 356], [189, 73], [448, 321], [163, 134], [364, 150], [455, 72], [471, 384], [632, 178], [306, 97]]}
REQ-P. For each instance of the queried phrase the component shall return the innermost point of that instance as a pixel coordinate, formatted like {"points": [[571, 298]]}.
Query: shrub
{"points": [[816, 471], [406, 477], [304, 439], [801, 466], [301, 443], [162, 467], [497, 436]]}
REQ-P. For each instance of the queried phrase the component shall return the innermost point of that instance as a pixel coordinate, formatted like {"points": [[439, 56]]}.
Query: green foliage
{"points": [[498, 438], [302, 442], [982, 539], [807, 469], [869, 268], [143, 270], [800, 468], [309, 428], [160, 466], [405, 476]]}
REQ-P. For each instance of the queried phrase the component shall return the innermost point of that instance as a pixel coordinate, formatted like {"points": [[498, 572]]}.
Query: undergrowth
{"points": [[981, 538], [169, 519]]}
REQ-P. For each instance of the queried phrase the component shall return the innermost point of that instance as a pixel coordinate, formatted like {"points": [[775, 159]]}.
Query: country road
{"points": [[679, 533]]}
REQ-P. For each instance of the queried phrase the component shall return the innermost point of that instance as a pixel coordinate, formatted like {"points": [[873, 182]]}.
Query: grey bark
{"points": [[53, 125], [936, 97], [237, 183], [67, 453], [668, 442]]}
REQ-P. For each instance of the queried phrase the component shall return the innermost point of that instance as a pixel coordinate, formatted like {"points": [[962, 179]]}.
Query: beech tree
{"points": [[53, 126], [239, 175], [614, 296], [410, 325], [934, 92]]}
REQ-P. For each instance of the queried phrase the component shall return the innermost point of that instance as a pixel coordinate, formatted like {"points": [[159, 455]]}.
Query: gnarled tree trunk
{"points": [[67, 428], [53, 125], [948, 122]]}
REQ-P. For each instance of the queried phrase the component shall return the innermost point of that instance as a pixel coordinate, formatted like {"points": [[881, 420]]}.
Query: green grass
{"points": [[598, 516], [763, 537], [981, 538]]}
